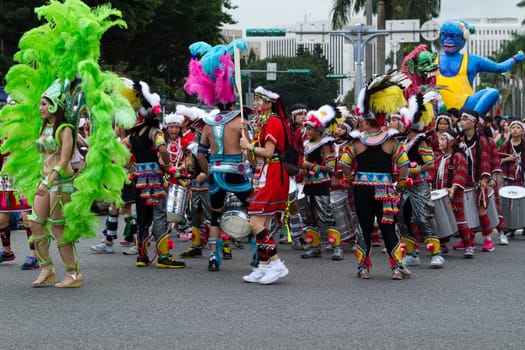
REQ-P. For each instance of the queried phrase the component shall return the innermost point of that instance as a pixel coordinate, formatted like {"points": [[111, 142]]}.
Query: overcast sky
{"points": [[271, 13]]}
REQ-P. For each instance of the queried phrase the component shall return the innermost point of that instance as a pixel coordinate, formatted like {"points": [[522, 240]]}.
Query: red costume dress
{"points": [[270, 180]]}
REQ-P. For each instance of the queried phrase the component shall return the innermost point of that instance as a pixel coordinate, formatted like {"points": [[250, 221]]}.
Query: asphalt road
{"points": [[468, 304]]}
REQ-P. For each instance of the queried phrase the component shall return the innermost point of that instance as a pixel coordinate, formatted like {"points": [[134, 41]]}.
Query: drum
{"points": [[176, 203], [471, 209], [443, 214], [344, 220], [235, 221], [512, 204]]}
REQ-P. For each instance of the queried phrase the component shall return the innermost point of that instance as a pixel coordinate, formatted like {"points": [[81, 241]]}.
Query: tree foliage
{"points": [[314, 89], [423, 10], [154, 48]]}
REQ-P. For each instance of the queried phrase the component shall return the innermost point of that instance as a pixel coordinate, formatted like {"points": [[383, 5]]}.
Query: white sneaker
{"points": [[102, 248], [437, 261], [503, 240], [410, 260], [130, 251], [276, 270], [257, 274]]}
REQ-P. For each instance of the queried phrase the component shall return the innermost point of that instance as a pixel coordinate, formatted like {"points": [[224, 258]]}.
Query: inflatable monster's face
{"points": [[426, 64], [453, 36]]}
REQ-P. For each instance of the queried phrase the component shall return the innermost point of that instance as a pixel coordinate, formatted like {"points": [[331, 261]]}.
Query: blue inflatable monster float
{"points": [[457, 70]]}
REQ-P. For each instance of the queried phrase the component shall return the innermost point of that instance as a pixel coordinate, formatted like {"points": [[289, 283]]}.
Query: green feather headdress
{"points": [[67, 47]]}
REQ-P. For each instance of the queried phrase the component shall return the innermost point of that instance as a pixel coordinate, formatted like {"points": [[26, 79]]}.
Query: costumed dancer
{"points": [[297, 113], [451, 174], [191, 117], [478, 152], [416, 203], [147, 143], [513, 161], [375, 152], [318, 164], [80, 84], [496, 178], [270, 184], [211, 80], [457, 70], [339, 186], [200, 199]]}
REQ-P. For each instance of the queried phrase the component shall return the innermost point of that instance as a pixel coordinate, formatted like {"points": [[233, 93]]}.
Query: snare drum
{"points": [[443, 213], [471, 209], [512, 204], [344, 220], [176, 203], [235, 221]]}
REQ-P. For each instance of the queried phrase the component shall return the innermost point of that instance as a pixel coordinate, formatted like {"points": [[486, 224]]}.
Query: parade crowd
{"points": [[414, 164]]}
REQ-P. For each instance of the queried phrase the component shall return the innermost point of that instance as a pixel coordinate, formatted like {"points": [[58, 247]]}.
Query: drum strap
{"points": [[450, 174]]}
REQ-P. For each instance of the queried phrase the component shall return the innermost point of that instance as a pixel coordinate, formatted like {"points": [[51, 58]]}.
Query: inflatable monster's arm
{"points": [[479, 64]]}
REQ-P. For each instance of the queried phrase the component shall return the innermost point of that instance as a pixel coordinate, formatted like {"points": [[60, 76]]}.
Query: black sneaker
{"points": [[227, 253], [213, 264], [192, 252], [142, 261], [169, 262]]}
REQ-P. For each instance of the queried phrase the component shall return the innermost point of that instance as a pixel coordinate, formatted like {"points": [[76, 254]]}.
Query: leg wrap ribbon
{"points": [[265, 245], [163, 245], [42, 249], [410, 245], [218, 249], [296, 225], [68, 267], [196, 236], [5, 235], [334, 236], [433, 245], [313, 237]]}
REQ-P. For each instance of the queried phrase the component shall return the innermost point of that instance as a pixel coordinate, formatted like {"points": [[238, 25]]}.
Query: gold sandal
{"points": [[70, 281], [46, 277]]}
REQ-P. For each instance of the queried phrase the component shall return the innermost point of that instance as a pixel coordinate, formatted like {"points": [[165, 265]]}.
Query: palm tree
{"points": [[423, 10], [521, 4]]}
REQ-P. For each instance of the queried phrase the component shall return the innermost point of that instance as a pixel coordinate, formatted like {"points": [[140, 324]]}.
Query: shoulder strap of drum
{"points": [[478, 158], [507, 164], [450, 174]]}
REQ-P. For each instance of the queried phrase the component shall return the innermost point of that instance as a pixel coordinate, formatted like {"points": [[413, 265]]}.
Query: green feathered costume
{"points": [[67, 47]]}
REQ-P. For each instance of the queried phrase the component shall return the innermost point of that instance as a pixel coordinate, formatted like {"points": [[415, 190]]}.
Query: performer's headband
{"points": [[469, 116], [443, 116], [299, 111]]}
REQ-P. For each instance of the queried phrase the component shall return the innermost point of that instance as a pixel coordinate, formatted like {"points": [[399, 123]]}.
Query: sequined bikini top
{"points": [[46, 142]]}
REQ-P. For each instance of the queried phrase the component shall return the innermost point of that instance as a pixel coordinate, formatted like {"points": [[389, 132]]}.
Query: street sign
{"points": [[430, 30], [271, 71], [266, 32], [337, 76], [409, 26], [298, 71]]}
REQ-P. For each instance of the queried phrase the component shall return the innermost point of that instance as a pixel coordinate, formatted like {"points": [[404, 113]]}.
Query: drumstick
{"points": [[238, 82]]}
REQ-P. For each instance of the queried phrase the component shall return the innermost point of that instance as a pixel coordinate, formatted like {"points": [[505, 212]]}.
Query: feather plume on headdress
{"points": [[320, 119], [211, 78], [382, 96], [419, 112]]}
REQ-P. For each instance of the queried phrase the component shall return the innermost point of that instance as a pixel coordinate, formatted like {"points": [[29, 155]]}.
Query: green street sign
{"points": [[337, 76], [266, 32], [298, 71]]}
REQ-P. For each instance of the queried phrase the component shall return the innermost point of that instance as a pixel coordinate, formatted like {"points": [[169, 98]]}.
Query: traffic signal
{"points": [[298, 71], [266, 32]]}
